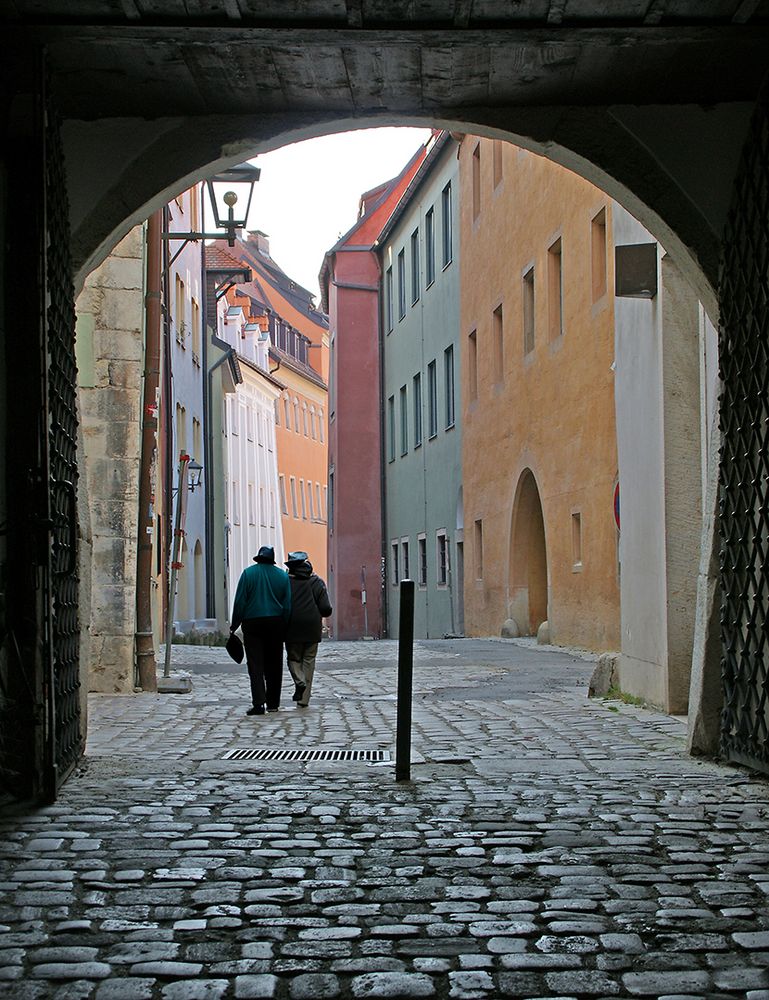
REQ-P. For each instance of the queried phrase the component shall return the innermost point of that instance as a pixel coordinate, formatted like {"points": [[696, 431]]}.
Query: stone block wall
{"points": [[110, 336]]}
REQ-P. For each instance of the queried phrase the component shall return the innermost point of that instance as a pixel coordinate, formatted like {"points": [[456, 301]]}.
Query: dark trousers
{"points": [[263, 639]]}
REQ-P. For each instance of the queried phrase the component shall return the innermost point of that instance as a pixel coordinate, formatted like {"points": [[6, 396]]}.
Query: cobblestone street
{"points": [[547, 845]]}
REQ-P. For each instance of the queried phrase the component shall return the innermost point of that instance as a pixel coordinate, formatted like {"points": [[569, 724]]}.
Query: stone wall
{"points": [[110, 354]]}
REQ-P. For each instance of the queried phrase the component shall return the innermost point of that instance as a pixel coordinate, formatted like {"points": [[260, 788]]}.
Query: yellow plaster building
{"points": [[539, 447]]}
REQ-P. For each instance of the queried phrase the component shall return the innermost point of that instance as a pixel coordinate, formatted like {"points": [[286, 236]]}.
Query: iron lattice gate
{"points": [[744, 473], [64, 710]]}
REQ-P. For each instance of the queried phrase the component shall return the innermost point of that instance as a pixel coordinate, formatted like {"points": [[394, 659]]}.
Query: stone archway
{"points": [[528, 580]]}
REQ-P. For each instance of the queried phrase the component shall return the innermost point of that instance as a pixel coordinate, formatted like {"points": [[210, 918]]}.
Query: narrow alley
{"points": [[548, 845]]}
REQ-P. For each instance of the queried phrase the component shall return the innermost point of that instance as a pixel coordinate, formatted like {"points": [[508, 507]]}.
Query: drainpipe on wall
{"points": [[145, 652], [167, 403], [383, 603]]}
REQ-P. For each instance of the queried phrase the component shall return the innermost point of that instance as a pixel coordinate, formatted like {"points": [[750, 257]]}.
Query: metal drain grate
{"points": [[267, 753]]}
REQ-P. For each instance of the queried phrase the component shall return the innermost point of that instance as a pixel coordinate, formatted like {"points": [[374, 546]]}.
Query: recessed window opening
{"points": [[472, 364], [432, 400], [401, 284], [576, 539], [422, 557], [497, 162], [391, 429], [478, 549], [448, 366], [430, 247], [598, 254], [417, 409], [555, 290], [498, 345], [528, 311], [447, 225], [476, 181], [442, 557], [414, 266], [389, 299], [405, 563], [404, 414], [394, 563]]}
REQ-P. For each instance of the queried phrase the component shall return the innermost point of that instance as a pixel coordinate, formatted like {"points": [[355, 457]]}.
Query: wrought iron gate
{"points": [[40, 732], [744, 472], [64, 697]]}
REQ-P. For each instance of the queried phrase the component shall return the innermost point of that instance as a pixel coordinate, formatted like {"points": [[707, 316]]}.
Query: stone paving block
{"points": [[752, 939], [259, 987], [314, 986], [71, 970], [395, 985], [167, 970], [470, 985], [741, 979], [125, 989], [202, 989], [655, 984]]}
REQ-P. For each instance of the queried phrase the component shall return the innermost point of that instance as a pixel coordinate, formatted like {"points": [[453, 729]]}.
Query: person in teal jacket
{"points": [[262, 608]]}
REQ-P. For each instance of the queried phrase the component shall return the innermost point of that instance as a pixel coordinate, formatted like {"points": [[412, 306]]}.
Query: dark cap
{"points": [[296, 557], [266, 554]]}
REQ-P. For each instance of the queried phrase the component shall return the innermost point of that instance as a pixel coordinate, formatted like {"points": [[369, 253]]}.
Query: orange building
{"points": [[299, 356], [539, 446]]}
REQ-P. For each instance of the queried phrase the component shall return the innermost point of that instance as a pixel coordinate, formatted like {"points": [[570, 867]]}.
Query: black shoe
{"points": [[298, 692], [276, 709], [256, 711]]}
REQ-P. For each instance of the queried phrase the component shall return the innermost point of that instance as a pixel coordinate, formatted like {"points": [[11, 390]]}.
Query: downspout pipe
{"points": [[143, 640]]}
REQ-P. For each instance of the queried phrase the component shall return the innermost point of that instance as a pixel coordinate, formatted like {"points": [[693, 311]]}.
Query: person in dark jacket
{"points": [[309, 606], [262, 607]]}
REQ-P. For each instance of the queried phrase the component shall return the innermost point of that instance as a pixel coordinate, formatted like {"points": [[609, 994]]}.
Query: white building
{"points": [[250, 458], [666, 391], [185, 296]]}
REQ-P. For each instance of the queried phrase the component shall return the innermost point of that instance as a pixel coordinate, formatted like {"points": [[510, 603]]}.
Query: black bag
{"points": [[235, 648]]}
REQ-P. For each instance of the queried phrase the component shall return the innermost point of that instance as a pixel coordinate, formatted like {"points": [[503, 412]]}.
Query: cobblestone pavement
{"points": [[547, 845]]}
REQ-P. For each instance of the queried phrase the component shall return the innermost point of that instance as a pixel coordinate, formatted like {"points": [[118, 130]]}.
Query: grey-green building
{"points": [[422, 442]]}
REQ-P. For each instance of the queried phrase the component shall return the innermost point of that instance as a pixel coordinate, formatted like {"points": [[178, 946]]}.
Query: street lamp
{"points": [[195, 473], [225, 189]]}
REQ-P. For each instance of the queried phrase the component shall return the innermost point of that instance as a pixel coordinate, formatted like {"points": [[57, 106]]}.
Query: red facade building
{"points": [[349, 281]]}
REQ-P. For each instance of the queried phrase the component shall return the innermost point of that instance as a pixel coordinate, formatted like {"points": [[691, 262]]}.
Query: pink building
{"points": [[349, 281]]}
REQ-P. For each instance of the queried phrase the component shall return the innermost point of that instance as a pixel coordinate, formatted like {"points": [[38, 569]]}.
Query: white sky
{"points": [[308, 192]]}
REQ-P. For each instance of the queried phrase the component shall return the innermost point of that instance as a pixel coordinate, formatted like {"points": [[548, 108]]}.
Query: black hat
{"points": [[266, 554], [296, 557]]}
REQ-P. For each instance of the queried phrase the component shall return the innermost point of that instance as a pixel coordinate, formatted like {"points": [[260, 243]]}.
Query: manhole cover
{"points": [[268, 753]]}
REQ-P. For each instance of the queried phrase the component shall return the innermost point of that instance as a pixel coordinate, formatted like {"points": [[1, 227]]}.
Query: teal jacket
{"points": [[263, 591]]}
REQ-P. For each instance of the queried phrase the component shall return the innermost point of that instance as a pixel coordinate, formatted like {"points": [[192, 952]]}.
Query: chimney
{"points": [[262, 242]]}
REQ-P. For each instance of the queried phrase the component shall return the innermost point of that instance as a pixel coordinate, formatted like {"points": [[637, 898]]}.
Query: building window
{"points": [[294, 508], [415, 266], [432, 400], [478, 553], [321, 427], [555, 290], [422, 556], [401, 284], [576, 540], [430, 247], [498, 344], [476, 181], [446, 222], [472, 364], [404, 421], [417, 409], [528, 311], [272, 508], [296, 416], [251, 513], [328, 499], [283, 501], [497, 158], [389, 299], [305, 425], [249, 423], [262, 507], [181, 428], [301, 499], [313, 433], [319, 507], [310, 502], [405, 567], [391, 429], [276, 407], [598, 254], [179, 311], [195, 333], [441, 558], [394, 564], [197, 439], [448, 368], [235, 502], [287, 408]]}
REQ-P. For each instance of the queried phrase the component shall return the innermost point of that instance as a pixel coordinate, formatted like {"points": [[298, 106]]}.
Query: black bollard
{"points": [[405, 682]]}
